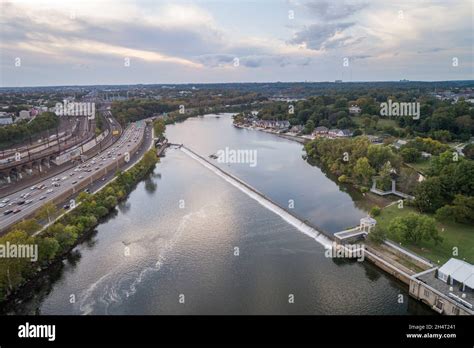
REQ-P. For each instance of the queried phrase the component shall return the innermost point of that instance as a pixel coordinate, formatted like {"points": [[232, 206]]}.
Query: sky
{"points": [[86, 42]]}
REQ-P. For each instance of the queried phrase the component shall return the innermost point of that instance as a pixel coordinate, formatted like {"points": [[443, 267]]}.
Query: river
{"points": [[187, 242]]}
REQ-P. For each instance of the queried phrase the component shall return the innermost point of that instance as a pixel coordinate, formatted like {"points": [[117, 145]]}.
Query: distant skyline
{"points": [[56, 42]]}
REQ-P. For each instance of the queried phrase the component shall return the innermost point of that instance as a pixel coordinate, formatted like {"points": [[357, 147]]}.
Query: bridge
{"points": [[317, 233]]}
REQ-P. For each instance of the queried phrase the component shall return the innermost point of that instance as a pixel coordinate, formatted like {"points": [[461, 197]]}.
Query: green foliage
{"points": [[159, 128], [363, 170], [410, 154], [22, 131], [377, 235], [342, 179], [461, 210], [428, 195], [469, 151], [414, 228], [375, 211]]}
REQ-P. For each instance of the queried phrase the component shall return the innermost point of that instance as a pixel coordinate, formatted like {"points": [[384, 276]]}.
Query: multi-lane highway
{"points": [[23, 203]]}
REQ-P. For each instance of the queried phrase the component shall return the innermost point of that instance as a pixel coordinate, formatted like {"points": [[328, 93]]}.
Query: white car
{"points": [[6, 200], [50, 191], [32, 188], [2, 205], [80, 177]]}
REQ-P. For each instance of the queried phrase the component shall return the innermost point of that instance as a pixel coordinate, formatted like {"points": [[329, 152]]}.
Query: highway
{"points": [[21, 204]]}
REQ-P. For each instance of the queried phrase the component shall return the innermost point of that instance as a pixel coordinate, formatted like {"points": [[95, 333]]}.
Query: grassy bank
{"points": [[453, 234]]}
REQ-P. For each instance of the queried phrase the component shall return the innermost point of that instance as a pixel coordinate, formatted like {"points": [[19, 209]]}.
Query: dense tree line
{"points": [[449, 188], [23, 130], [441, 120], [355, 160]]}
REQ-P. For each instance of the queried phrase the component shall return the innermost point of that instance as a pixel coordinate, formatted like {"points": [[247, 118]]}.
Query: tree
{"points": [[414, 228], [375, 211], [159, 128], [445, 213], [47, 248], [377, 235], [379, 155], [29, 226], [67, 236], [363, 170], [309, 127], [410, 155], [47, 212], [357, 132], [469, 151], [428, 196]]}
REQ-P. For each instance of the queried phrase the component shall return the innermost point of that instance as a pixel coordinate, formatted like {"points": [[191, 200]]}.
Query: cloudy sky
{"points": [[58, 42]]}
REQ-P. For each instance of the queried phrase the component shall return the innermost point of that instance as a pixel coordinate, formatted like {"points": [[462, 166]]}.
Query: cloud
{"points": [[333, 10], [315, 35]]}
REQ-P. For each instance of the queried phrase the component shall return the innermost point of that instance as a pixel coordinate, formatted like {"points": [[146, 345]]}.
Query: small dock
{"points": [[353, 234], [393, 191], [349, 235]]}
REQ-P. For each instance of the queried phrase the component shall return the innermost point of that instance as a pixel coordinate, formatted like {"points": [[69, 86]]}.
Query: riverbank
{"points": [[401, 264], [70, 229], [290, 136]]}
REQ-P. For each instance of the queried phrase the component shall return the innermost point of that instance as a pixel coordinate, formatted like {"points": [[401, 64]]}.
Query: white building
{"points": [[457, 272], [24, 115], [6, 120], [354, 109]]}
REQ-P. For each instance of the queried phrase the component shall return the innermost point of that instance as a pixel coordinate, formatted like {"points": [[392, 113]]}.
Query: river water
{"points": [[187, 242]]}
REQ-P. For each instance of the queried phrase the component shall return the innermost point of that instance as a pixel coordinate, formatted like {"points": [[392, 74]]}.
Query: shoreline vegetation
{"points": [[437, 223], [57, 241], [445, 234]]}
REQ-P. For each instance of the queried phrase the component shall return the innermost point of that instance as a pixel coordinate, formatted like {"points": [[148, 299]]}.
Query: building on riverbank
{"points": [[448, 290]]}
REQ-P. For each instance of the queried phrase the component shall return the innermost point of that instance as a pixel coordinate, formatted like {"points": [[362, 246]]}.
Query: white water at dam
{"points": [[262, 200]]}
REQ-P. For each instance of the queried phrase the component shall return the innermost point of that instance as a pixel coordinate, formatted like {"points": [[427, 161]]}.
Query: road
{"points": [[74, 176], [27, 181]]}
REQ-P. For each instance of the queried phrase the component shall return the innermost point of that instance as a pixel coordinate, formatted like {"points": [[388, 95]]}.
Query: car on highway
{"points": [[20, 202], [6, 200], [74, 182], [6, 212], [80, 177], [42, 197], [28, 201], [50, 191], [56, 184], [64, 178], [3, 205], [33, 188], [16, 210]]}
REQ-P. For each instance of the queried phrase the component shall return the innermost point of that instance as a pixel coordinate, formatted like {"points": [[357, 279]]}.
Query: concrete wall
{"points": [[431, 297]]}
